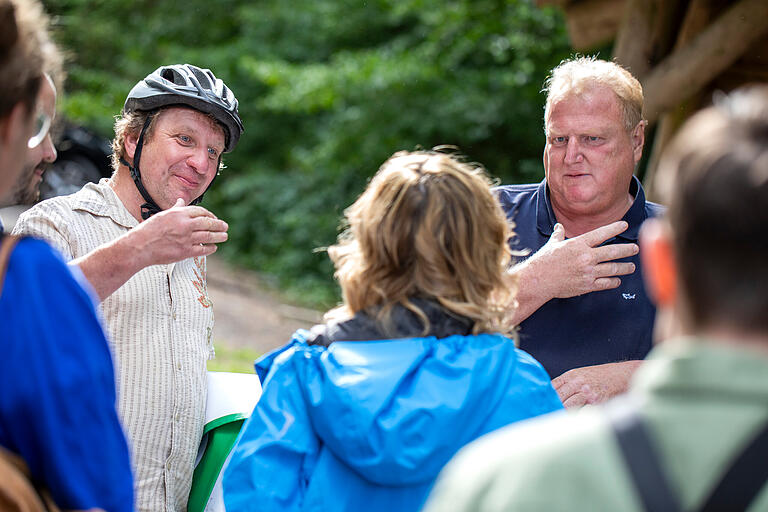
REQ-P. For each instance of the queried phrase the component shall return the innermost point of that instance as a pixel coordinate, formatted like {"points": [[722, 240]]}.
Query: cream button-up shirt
{"points": [[159, 324]]}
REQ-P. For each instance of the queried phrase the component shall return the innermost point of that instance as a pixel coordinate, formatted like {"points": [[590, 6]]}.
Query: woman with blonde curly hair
{"points": [[364, 411]]}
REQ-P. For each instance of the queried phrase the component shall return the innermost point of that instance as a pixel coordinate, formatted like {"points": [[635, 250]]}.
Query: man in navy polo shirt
{"points": [[588, 327]]}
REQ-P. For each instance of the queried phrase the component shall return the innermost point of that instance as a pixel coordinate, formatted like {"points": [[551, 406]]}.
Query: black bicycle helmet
{"points": [[185, 84], [181, 84]]}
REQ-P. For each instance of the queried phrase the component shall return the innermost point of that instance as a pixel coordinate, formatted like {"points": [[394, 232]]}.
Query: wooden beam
{"points": [[668, 126], [696, 19], [647, 33], [688, 69], [592, 23]]}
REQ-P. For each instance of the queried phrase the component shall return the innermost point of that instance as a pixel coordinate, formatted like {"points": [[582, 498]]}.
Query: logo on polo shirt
{"points": [[629, 296]]}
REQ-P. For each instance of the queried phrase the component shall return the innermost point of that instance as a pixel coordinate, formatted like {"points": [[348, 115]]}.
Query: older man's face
{"points": [[27, 188], [181, 157], [589, 156]]}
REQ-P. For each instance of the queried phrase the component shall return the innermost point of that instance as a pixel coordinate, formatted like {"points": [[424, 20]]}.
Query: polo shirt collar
{"points": [[545, 215]]}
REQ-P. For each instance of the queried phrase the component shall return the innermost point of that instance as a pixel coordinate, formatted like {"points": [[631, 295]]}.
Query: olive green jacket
{"points": [[702, 403]]}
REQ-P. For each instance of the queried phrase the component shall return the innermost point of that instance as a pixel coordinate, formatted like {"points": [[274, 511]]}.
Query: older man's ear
{"points": [[638, 141]]}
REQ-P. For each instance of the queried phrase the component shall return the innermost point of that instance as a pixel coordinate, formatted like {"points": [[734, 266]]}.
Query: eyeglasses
{"points": [[42, 125]]}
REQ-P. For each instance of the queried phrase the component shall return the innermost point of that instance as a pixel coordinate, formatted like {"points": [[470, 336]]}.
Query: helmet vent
{"points": [[205, 80], [171, 75]]}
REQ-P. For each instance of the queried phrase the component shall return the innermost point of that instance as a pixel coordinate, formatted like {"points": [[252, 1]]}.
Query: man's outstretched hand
{"points": [[178, 233], [172, 235]]}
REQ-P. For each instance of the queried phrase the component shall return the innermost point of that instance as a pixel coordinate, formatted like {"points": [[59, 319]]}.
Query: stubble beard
{"points": [[27, 190]]}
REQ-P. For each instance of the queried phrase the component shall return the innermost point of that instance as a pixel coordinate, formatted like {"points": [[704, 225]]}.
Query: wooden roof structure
{"points": [[680, 50]]}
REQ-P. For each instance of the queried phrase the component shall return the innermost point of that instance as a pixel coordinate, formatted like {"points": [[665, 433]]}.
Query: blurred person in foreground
{"points": [[27, 188], [583, 309], [362, 412], [59, 429], [141, 240], [700, 399]]}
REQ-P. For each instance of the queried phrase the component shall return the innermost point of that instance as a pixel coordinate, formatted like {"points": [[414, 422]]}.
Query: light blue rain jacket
{"points": [[367, 426]]}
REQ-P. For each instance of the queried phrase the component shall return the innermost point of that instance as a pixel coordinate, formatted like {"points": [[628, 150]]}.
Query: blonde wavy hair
{"points": [[581, 74], [426, 226]]}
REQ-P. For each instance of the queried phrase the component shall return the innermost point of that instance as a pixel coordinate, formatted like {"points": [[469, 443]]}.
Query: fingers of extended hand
{"points": [[203, 249], [198, 211], [598, 236], [180, 233], [208, 237], [614, 251], [582, 397], [207, 230], [613, 268], [573, 389], [605, 283], [211, 224], [567, 383]]}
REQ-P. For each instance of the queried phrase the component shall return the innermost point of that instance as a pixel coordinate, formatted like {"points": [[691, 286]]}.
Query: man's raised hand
{"points": [[172, 235], [179, 233], [581, 264], [567, 268]]}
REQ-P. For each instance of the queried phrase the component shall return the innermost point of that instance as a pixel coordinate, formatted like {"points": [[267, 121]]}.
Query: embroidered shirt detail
{"points": [[200, 283], [629, 296]]}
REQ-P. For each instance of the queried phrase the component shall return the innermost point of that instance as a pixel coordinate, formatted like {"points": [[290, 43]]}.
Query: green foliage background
{"points": [[328, 89]]}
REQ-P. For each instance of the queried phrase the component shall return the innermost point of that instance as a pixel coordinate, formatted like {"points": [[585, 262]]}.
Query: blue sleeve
{"points": [[532, 388], [271, 463], [57, 385]]}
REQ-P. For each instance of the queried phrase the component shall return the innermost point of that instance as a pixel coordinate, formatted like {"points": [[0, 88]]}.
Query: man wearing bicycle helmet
{"points": [[141, 240]]}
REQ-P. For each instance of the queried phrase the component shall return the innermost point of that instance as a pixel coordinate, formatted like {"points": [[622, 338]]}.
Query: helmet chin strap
{"points": [[150, 207]]}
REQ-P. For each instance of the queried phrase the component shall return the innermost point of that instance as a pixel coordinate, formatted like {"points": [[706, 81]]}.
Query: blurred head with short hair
{"points": [[27, 189], [715, 178], [26, 51], [579, 75]]}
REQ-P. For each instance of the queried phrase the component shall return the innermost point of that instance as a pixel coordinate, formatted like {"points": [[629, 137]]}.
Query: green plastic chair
{"points": [[231, 398]]}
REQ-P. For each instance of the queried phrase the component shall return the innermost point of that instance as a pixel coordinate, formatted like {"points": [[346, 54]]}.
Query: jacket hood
{"points": [[395, 411]]}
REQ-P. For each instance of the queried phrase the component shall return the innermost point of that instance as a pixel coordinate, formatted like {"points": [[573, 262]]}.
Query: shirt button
{"points": [[174, 316], [178, 366]]}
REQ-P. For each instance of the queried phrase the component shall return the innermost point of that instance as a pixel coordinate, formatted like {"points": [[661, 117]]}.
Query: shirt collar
{"points": [[545, 215], [99, 199]]}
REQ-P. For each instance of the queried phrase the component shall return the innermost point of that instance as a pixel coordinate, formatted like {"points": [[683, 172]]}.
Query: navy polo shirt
{"points": [[595, 328]]}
